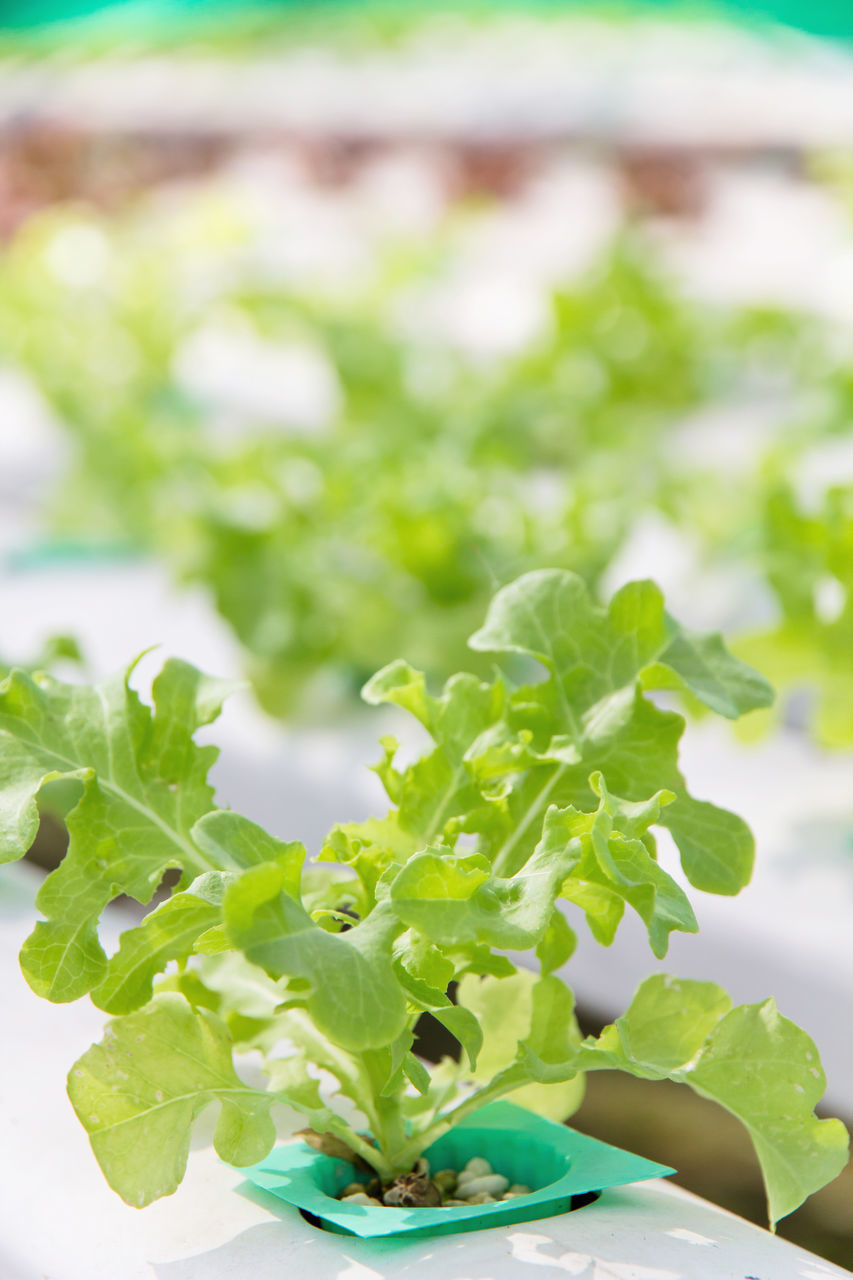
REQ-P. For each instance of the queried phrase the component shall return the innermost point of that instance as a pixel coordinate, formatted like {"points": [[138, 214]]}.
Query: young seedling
{"points": [[531, 793]]}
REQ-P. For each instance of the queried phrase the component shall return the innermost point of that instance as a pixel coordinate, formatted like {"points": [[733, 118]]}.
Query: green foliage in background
{"points": [[386, 528], [56, 649], [436, 474], [808, 558]]}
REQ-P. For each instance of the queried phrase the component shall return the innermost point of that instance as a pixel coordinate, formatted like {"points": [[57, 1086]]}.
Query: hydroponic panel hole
{"points": [[576, 1202]]}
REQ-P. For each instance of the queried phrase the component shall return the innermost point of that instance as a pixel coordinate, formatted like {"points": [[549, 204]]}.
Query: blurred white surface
{"points": [[767, 238], [643, 81], [229, 369], [33, 453]]}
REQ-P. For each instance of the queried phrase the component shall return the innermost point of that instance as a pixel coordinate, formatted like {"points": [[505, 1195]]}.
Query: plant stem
{"points": [[391, 1135], [384, 1110], [512, 1078], [501, 863], [370, 1154]]}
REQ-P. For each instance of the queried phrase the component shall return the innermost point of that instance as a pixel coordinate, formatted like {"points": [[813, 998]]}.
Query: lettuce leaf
{"points": [[757, 1064], [144, 784]]}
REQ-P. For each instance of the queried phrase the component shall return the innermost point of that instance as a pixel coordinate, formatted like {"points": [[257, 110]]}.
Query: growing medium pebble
{"points": [[494, 1183], [414, 1190], [476, 1184]]}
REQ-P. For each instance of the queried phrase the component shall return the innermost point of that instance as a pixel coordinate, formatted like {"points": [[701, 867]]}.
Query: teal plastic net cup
{"points": [[557, 1163]]}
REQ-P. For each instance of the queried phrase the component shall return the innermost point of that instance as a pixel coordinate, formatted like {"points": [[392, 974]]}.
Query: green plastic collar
{"points": [[553, 1159]]}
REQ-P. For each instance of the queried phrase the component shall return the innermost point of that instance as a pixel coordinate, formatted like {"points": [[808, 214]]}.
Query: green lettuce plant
{"points": [[539, 787], [806, 556], [54, 649]]}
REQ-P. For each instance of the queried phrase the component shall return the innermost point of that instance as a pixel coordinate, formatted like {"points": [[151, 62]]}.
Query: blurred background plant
{"points": [[351, 467], [346, 489]]}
